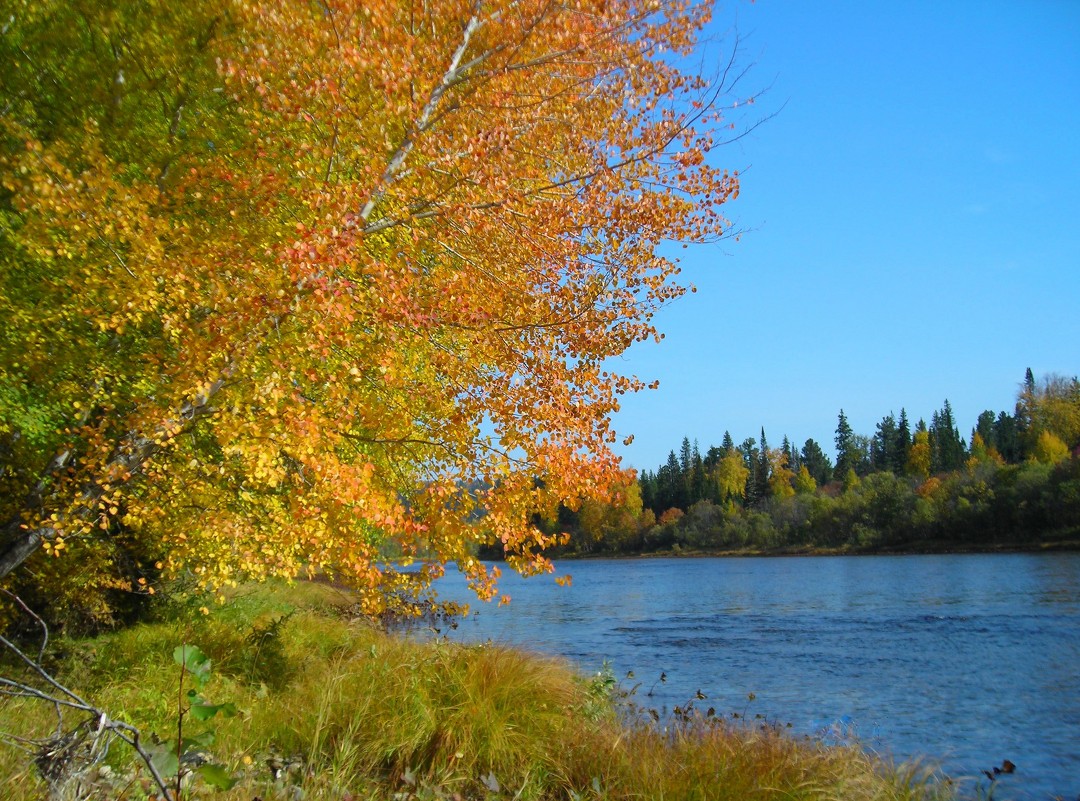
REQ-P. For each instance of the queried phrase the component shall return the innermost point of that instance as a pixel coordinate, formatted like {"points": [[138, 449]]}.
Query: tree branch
{"points": [[19, 540], [98, 724], [452, 75]]}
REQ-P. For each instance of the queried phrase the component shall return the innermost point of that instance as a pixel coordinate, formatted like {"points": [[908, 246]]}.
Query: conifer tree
{"points": [[946, 445], [1023, 414], [669, 485], [902, 445], [883, 444], [686, 456], [845, 448], [792, 455], [698, 480], [763, 469], [984, 427], [1007, 437], [749, 453], [816, 462]]}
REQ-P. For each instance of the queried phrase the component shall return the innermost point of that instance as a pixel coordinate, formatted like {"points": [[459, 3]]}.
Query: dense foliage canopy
{"points": [[297, 286]]}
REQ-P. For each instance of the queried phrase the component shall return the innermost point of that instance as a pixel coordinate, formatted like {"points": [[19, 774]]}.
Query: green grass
{"points": [[357, 714]]}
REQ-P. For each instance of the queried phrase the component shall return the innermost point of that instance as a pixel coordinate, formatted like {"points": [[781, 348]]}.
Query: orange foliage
{"points": [[930, 488], [671, 516], [361, 297]]}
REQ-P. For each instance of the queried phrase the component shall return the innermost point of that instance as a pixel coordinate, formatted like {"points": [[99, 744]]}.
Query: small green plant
{"points": [[599, 690], [185, 755]]}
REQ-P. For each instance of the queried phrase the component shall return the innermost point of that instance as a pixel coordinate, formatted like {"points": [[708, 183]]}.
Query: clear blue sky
{"points": [[913, 226]]}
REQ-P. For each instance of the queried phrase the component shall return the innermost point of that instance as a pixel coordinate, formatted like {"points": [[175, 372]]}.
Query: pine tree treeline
{"points": [[1015, 479]]}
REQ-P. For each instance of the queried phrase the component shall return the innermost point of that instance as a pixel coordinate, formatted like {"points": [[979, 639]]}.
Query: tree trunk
{"points": [[18, 542]]}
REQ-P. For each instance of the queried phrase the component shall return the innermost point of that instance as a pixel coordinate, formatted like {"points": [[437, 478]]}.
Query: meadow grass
{"points": [[332, 708]]}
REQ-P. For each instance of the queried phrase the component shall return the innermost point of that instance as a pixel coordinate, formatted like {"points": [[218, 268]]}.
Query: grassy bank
{"points": [[331, 708]]}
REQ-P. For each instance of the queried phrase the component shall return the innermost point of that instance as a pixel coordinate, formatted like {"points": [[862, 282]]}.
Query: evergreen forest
{"points": [[1013, 482]]}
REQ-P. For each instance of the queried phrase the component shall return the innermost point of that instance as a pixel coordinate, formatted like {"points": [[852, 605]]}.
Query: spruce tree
{"points": [[792, 455], [984, 427], [698, 476], [713, 456], [845, 448], [815, 461], [749, 453], [1024, 414], [669, 479], [902, 445], [883, 444], [763, 467], [947, 446], [1007, 438], [647, 482]]}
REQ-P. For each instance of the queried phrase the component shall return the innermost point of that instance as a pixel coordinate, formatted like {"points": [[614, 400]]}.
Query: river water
{"points": [[968, 660]]}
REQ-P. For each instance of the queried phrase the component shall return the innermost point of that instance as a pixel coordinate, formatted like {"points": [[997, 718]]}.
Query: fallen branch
{"points": [[68, 756]]}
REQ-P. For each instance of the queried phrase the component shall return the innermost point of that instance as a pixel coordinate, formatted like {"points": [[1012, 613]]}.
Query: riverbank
{"points": [[330, 708]]}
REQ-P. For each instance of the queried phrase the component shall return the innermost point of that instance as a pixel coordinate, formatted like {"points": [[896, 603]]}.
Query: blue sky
{"points": [[912, 219]]}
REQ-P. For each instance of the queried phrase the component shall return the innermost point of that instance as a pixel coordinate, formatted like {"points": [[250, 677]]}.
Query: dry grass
{"points": [[342, 711]]}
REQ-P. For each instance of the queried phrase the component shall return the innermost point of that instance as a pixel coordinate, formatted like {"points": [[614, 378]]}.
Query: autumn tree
{"points": [[283, 283], [804, 483], [730, 477], [1054, 407], [982, 453], [611, 523], [919, 456], [781, 475], [1049, 448]]}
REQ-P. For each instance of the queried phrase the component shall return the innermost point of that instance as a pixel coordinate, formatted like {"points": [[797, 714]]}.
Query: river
{"points": [[968, 660]]}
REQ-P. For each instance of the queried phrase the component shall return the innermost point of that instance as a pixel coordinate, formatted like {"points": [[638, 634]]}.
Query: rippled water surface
{"points": [[969, 659]]}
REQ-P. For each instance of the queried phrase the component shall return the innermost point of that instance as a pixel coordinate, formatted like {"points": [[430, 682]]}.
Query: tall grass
{"points": [[334, 709]]}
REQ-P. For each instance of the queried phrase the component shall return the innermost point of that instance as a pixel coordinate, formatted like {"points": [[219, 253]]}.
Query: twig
{"points": [[98, 725]]}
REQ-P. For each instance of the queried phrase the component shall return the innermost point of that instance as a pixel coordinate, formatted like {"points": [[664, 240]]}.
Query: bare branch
{"points": [[98, 727]]}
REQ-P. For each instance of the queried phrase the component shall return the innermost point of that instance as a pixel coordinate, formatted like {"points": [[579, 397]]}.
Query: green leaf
{"points": [[217, 776], [207, 711], [163, 758]]}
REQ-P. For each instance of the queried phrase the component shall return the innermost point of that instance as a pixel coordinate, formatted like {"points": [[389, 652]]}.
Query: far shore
{"points": [[908, 549]]}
